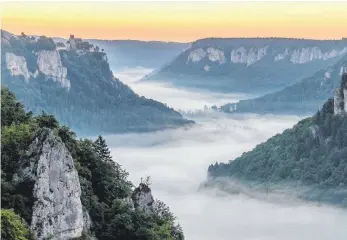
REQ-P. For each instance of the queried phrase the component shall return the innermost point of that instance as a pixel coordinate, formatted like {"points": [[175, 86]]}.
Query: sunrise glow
{"points": [[177, 21]]}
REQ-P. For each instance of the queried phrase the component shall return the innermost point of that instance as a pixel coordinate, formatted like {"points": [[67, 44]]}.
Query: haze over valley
{"points": [[175, 121], [177, 161]]}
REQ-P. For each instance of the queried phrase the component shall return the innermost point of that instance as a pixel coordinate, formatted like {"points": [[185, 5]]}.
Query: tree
{"points": [[13, 227], [45, 120], [11, 110], [102, 149]]}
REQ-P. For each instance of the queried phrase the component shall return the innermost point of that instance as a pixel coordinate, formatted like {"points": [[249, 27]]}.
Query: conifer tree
{"points": [[102, 149]]}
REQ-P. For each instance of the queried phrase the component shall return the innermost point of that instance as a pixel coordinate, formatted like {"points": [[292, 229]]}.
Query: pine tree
{"points": [[102, 149]]}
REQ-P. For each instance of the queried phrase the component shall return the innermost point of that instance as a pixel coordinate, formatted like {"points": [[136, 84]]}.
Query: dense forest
{"points": [[103, 182], [95, 101], [312, 154]]}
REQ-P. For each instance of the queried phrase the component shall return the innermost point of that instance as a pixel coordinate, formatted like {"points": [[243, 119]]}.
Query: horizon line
{"points": [[189, 42]]}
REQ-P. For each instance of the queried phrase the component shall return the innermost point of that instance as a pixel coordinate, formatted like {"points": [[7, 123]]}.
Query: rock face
{"points": [[305, 55], [17, 65], [338, 101], [143, 198], [57, 211], [196, 55], [249, 65], [247, 56], [340, 97], [50, 64]]}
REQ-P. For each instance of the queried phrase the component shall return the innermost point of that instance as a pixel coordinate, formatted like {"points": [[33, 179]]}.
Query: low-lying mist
{"points": [[177, 98], [177, 161]]}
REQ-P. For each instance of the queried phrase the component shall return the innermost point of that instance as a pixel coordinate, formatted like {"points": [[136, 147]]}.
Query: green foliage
{"points": [[13, 227], [11, 110], [305, 96], [45, 43], [96, 102], [313, 153], [104, 183]]}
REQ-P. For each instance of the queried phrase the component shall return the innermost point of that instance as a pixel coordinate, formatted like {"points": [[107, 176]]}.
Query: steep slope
{"points": [[75, 84], [250, 65], [303, 97], [65, 188], [134, 53], [309, 160]]}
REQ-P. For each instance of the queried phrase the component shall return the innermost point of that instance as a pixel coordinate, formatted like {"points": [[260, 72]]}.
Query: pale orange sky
{"points": [[177, 21]]}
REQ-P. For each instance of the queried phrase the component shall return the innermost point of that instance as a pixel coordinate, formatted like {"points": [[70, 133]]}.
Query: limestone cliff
{"points": [[49, 63], [17, 65], [249, 65], [57, 211], [62, 81], [340, 97], [143, 199]]}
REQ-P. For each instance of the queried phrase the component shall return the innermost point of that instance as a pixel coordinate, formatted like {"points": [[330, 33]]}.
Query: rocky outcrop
{"points": [[143, 199], [49, 63], [340, 97], [242, 55], [338, 101], [196, 55], [213, 54], [252, 55], [57, 211], [305, 55], [17, 65]]}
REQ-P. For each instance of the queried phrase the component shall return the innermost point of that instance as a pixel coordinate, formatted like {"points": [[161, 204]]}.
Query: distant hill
{"points": [[303, 97], [308, 161], [249, 65], [77, 86], [134, 53]]}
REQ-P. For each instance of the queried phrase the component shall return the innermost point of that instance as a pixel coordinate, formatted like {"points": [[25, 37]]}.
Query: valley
{"points": [[177, 161], [242, 138]]}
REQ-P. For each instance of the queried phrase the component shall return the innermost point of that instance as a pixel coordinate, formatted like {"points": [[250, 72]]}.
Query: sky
{"points": [[176, 21]]}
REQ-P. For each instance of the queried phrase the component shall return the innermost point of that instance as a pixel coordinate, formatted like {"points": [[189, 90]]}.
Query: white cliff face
{"points": [[57, 211], [50, 64], [17, 65], [143, 199], [213, 54], [343, 70], [337, 101], [327, 74], [216, 55], [207, 68], [304, 55], [196, 55], [242, 55], [253, 55], [345, 99], [281, 56]]}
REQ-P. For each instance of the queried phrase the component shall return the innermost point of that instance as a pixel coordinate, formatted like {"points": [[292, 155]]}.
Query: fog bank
{"points": [[177, 98], [177, 161]]}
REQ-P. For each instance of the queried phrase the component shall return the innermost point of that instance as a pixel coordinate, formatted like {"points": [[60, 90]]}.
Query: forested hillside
{"points": [[249, 65], [303, 97], [311, 155], [78, 87], [112, 207]]}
